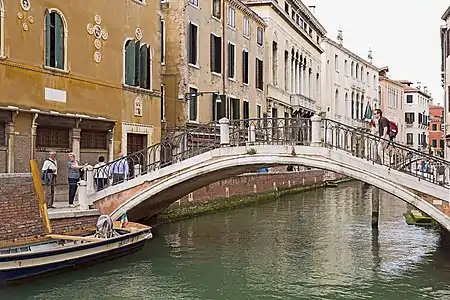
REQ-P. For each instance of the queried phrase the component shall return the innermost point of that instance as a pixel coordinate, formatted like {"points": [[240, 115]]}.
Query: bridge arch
{"points": [[219, 166]]}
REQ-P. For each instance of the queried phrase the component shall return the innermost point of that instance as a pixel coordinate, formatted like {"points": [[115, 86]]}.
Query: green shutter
{"points": [[213, 106], [59, 42], [130, 63], [193, 105], [47, 38], [143, 76], [189, 42], [212, 53], [137, 63]]}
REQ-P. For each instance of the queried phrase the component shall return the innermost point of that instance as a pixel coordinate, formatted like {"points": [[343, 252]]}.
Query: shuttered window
{"points": [[216, 54], [51, 137], [93, 139], [54, 40], [245, 66], [2, 134], [193, 104], [259, 74], [192, 44], [138, 63], [231, 60]]}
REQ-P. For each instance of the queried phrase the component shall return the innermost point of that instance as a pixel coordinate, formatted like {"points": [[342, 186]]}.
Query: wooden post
{"points": [[375, 206], [40, 195]]}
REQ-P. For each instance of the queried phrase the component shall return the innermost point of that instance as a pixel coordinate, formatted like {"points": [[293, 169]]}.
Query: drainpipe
{"points": [[224, 55]]}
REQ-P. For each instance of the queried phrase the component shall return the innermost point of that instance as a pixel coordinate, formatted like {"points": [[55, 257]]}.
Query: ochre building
{"points": [[78, 76]]}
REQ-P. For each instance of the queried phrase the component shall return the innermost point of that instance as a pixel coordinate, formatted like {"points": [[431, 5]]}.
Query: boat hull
{"points": [[34, 264]]}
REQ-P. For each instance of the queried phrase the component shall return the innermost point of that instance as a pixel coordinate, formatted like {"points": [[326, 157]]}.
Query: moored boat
{"points": [[56, 252], [415, 217]]}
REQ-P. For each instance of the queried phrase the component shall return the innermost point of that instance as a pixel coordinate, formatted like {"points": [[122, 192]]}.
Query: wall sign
{"points": [[25, 5], [138, 106]]}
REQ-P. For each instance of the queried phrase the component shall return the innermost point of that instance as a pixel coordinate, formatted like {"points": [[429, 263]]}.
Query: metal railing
{"points": [[191, 142], [385, 152], [270, 131]]}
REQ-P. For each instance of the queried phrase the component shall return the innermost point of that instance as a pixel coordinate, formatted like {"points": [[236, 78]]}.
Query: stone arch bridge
{"points": [[200, 155]]}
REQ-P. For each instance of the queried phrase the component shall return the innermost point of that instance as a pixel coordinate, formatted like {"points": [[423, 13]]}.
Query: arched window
{"points": [[55, 39], [357, 71], [362, 74], [352, 70], [138, 64], [353, 104], [336, 102], [2, 29]]}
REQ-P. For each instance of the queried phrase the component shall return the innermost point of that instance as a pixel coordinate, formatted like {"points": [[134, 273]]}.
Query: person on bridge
{"points": [[119, 169], [49, 172], [383, 132]]}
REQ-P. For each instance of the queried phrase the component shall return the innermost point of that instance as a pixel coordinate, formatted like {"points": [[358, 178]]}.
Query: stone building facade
{"points": [[435, 130], [77, 78], [349, 84], [293, 55], [212, 48]]}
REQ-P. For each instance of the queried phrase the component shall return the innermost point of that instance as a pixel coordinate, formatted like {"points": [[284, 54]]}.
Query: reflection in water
{"points": [[317, 245]]}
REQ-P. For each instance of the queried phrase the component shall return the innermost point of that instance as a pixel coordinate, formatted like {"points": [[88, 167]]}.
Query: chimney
{"points": [[312, 9], [369, 55], [340, 37], [418, 86]]}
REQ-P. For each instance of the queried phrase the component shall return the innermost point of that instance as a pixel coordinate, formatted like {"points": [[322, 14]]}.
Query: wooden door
{"points": [[135, 143]]}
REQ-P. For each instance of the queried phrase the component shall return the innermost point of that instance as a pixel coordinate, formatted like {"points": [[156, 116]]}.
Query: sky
{"points": [[403, 35]]}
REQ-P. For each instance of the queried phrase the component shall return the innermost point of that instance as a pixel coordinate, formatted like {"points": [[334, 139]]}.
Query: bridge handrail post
{"points": [[224, 132], [251, 134], [90, 180], [316, 125], [82, 195]]}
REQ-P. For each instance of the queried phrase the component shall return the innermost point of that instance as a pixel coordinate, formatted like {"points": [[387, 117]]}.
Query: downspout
{"points": [[33, 136]]}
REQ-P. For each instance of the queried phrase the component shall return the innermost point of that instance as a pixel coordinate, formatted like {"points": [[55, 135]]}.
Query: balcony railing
{"points": [[299, 100]]}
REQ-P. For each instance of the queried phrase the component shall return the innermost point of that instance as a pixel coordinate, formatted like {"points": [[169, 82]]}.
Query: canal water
{"points": [[316, 245]]}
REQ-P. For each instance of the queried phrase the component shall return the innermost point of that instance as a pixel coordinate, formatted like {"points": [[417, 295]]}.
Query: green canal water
{"points": [[316, 245]]}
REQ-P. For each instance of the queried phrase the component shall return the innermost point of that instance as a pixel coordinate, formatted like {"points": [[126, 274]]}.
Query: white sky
{"points": [[403, 35]]}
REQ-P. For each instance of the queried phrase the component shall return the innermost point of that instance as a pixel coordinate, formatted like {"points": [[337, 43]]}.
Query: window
{"points": [[55, 40], [352, 70], [434, 143], [218, 107], [409, 118], [245, 66], [258, 111], [368, 78], [310, 32], [231, 61], [409, 99], [193, 2], [163, 40], [409, 139], [246, 27], [286, 7], [2, 134], [259, 74], [193, 98], [259, 36], [433, 127], [91, 139], [336, 63], [235, 109], [246, 109], [346, 67], [275, 63], [192, 44], [163, 103], [138, 64], [217, 7], [231, 17], [216, 54], [2, 30], [375, 82], [52, 137]]}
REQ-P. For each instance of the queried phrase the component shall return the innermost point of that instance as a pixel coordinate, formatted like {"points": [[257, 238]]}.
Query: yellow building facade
{"points": [[78, 77], [212, 46]]}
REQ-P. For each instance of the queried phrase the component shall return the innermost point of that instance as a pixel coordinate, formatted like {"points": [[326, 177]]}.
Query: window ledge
{"points": [[194, 66], [137, 89], [216, 18], [232, 79], [3, 148], [56, 70], [192, 5], [246, 36], [216, 74], [232, 28], [245, 84], [261, 46], [93, 150], [193, 122]]}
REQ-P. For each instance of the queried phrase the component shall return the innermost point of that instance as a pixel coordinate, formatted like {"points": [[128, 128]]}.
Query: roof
{"points": [[362, 60]]}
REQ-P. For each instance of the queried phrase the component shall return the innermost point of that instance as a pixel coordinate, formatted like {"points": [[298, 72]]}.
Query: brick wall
{"points": [[19, 208], [19, 211], [252, 184]]}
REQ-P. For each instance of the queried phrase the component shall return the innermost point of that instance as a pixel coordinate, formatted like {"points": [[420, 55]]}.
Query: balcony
{"points": [[300, 101]]}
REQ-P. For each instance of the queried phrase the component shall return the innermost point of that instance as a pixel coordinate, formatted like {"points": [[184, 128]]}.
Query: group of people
{"points": [[75, 172]]}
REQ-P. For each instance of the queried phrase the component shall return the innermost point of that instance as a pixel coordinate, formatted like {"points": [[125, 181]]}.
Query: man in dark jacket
{"points": [[383, 132]]}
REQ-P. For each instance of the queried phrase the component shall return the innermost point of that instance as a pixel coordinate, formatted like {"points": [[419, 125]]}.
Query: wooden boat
{"points": [[54, 252], [415, 217]]}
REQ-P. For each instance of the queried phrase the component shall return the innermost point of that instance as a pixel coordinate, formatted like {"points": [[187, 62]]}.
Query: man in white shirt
{"points": [[49, 172]]}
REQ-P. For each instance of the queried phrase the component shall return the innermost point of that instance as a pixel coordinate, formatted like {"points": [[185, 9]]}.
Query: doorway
{"points": [[135, 143]]}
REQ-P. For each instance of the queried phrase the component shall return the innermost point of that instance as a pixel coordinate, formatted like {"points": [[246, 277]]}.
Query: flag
{"points": [[368, 113]]}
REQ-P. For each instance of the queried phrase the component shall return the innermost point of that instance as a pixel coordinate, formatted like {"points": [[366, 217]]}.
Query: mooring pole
{"points": [[375, 206]]}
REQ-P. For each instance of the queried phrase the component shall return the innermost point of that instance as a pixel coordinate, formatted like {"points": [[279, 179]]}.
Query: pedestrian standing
{"points": [[100, 174], [73, 174], [49, 172], [119, 169]]}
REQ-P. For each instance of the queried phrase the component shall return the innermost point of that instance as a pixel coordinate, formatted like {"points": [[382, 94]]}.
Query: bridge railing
{"points": [[381, 151], [188, 143], [270, 131]]}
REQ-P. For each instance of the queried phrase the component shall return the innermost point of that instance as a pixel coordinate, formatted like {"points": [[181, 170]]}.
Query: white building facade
{"points": [[416, 103], [445, 74], [349, 84], [292, 40]]}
